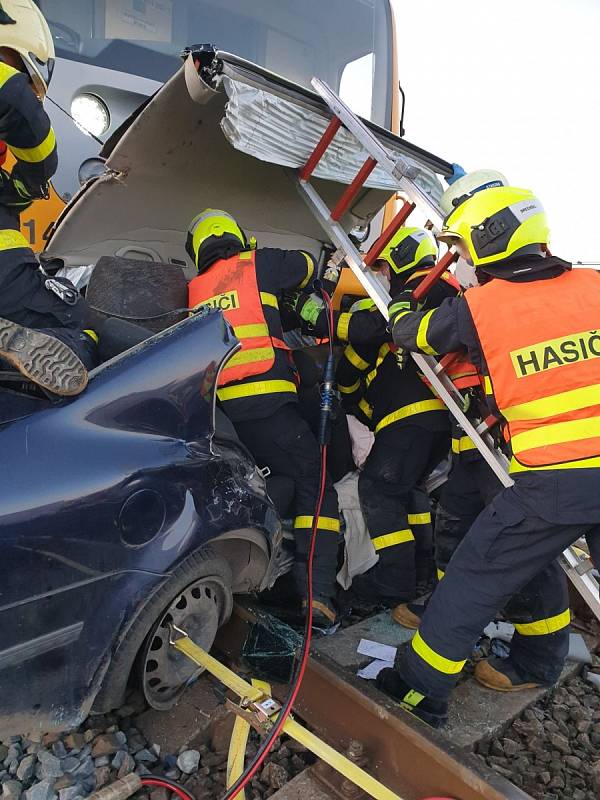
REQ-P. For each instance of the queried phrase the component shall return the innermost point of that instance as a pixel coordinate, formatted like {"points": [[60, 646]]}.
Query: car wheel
{"points": [[199, 610], [203, 569]]}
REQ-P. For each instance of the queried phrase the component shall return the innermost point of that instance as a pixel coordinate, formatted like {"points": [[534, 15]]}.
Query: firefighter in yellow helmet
{"points": [[41, 318], [257, 389], [411, 425], [531, 328]]}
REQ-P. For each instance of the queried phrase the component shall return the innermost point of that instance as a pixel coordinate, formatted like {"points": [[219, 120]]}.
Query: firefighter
{"points": [[257, 389], [410, 423], [41, 318], [531, 330]]}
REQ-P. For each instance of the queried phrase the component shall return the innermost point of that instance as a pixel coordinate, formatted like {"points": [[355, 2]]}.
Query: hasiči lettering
{"points": [[224, 302], [556, 353]]}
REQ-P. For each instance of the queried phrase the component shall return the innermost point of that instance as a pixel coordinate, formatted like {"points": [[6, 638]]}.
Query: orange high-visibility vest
{"points": [[231, 286], [541, 342]]}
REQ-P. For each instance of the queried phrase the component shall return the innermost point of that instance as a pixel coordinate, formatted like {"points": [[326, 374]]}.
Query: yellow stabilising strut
{"points": [[259, 709]]}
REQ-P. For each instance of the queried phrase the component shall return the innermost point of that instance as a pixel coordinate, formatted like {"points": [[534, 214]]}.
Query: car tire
{"points": [[203, 577]]}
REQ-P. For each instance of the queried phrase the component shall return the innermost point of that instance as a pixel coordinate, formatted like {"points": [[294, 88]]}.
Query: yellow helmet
{"points": [[409, 249], [24, 30], [211, 222], [495, 223]]}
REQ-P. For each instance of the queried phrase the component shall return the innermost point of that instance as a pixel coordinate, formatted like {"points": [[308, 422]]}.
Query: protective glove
{"points": [[400, 304], [308, 306], [13, 192]]}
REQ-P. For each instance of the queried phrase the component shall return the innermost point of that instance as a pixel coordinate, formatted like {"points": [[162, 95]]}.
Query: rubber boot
{"points": [[433, 712], [500, 675], [41, 358]]}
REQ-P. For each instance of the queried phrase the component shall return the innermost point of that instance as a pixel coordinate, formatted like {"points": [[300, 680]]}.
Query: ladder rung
{"points": [[354, 188], [317, 154], [383, 240], [434, 274]]}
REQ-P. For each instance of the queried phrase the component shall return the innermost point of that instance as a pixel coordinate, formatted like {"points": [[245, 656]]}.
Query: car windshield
{"points": [[347, 43]]}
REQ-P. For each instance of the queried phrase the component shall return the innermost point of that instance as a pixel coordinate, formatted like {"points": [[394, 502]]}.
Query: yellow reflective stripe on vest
{"points": [[544, 626], [408, 411], [352, 356], [463, 444], [249, 357], [371, 377], [422, 342], [440, 574], [555, 404], [366, 408], [6, 73], [251, 331], [582, 463], [32, 155], [487, 385], [419, 519], [268, 299], [573, 430], [11, 240], [343, 324], [435, 660], [390, 539], [310, 269], [255, 388], [324, 523], [349, 389]]}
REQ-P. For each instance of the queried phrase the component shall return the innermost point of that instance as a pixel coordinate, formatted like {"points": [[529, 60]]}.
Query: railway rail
{"points": [[410, 759]]}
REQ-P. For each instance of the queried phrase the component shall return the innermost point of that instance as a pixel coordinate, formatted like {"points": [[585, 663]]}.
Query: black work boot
{"points": [[433, 712], [43, 359]]}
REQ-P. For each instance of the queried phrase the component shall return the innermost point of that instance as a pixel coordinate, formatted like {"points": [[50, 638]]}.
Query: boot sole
{"points": [[46, 361]]}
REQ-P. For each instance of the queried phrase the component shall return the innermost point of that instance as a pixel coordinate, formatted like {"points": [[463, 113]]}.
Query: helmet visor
{"points": [[40, 73]]}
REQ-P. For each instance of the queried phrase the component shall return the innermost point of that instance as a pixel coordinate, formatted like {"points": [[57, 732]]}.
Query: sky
{"points": [[513, 86]]}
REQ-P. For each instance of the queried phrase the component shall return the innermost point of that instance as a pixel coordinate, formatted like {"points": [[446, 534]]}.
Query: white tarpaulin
{"points": [[280, 131]]}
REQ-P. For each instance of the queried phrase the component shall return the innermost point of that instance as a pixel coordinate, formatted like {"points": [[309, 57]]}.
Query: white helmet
{"points": [[24, 30], [468, 185]]}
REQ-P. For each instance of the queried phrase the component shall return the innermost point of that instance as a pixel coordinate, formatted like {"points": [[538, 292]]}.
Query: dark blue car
{"points": [[123, 510]]}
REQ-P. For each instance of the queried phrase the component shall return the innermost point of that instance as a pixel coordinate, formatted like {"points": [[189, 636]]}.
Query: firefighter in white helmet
{"points": [[41, 318]]}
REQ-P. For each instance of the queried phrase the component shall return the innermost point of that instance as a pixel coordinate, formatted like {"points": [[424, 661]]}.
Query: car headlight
{"points": [[91, 114]]}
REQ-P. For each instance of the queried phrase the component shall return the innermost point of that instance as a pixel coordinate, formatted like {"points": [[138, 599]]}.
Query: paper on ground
{"points": [[372, 670], [383, 652]]}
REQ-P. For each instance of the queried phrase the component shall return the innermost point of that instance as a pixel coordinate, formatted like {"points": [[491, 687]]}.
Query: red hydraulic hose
{"points": [[286, 709]]}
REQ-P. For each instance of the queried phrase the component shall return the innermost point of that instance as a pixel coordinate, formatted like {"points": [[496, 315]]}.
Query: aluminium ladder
{"points": [[579, 570]]}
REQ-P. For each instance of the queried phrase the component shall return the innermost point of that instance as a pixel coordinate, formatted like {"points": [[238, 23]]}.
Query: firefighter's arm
{"points": [[430, 332], [295, 268], [26, 128]]}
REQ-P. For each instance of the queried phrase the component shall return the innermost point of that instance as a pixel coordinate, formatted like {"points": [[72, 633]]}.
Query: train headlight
{"points": [[91, 114]]}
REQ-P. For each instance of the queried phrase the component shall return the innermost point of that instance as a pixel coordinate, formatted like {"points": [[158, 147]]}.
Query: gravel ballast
{"points": [[553, 750]]}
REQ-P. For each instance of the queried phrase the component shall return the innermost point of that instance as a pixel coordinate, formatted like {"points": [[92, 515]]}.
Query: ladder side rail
{"points": [[399, 169]]}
